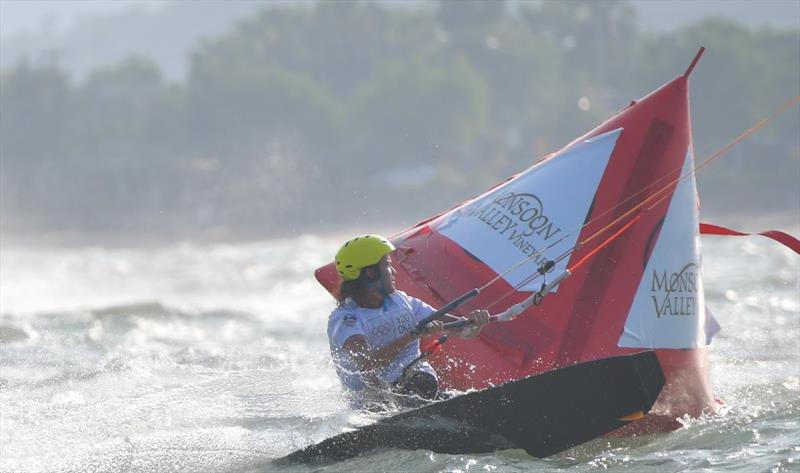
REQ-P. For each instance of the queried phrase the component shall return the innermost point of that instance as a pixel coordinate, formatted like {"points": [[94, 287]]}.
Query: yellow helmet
{"points": [[360, 252]]}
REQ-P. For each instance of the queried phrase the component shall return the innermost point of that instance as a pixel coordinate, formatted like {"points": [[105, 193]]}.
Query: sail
{"points": [[626, 171]]}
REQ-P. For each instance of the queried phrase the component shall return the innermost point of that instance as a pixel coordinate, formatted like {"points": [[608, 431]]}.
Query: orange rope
{"points": [[719, 153], [660, 195], [599, 247]]}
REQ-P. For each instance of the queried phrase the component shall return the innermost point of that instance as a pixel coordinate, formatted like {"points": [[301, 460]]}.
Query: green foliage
{"points": [[118, 105], [410, 109], [243, 106], [36, 102], [312, 115]]}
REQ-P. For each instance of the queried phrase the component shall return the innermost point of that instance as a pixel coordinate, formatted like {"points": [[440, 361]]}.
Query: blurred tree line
{"points": [[312, 117]]}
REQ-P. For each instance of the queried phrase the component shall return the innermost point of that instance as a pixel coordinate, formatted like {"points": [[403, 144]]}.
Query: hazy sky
{"points": [[671, 14], [18, 16]]}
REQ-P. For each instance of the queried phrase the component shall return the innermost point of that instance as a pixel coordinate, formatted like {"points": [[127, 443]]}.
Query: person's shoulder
{"points": [[342, 309], [401, 298], [347, 312], [417, 306], [409, 299], [343, 320]]}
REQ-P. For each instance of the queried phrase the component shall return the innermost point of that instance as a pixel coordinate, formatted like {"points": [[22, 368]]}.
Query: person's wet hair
{"points": [[356, 287]]}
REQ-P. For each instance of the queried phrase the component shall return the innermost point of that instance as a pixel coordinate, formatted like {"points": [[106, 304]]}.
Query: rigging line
{"points": [[788, 104], [760, 124], [523, 261], [716, 155], [530, 278], [660, 195], [599, 247]]}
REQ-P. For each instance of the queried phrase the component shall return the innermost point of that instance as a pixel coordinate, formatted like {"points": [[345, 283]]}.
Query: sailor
{"points": [[373, 333]]}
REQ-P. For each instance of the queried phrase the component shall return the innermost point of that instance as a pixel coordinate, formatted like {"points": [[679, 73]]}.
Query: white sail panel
{"points": [[540, 211], [668, 310]]}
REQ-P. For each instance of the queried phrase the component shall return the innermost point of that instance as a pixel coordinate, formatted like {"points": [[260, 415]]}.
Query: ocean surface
{"points": [[214, 358]]}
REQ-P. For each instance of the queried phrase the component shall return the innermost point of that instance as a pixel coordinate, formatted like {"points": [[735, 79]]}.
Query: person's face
{"points": [[387, 274]]}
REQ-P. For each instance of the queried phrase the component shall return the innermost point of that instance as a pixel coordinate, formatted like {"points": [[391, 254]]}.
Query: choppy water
{"points": [[214, 359]]}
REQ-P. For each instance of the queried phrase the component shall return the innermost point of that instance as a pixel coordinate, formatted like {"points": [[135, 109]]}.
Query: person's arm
{"points": [[370, 359]]}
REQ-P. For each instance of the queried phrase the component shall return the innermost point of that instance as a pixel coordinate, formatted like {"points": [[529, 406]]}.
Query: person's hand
{"points": [[479, 320], [432, 328]]}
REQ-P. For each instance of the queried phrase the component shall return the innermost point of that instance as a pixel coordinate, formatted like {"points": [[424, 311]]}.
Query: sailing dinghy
{"points": [[595, 249]]}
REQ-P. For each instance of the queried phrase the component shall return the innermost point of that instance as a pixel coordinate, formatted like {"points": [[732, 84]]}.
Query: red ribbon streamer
{"points": [[783, 238]]}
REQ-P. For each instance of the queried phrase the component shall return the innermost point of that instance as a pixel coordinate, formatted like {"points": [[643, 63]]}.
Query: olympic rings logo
{"points": [[382, 330]]}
